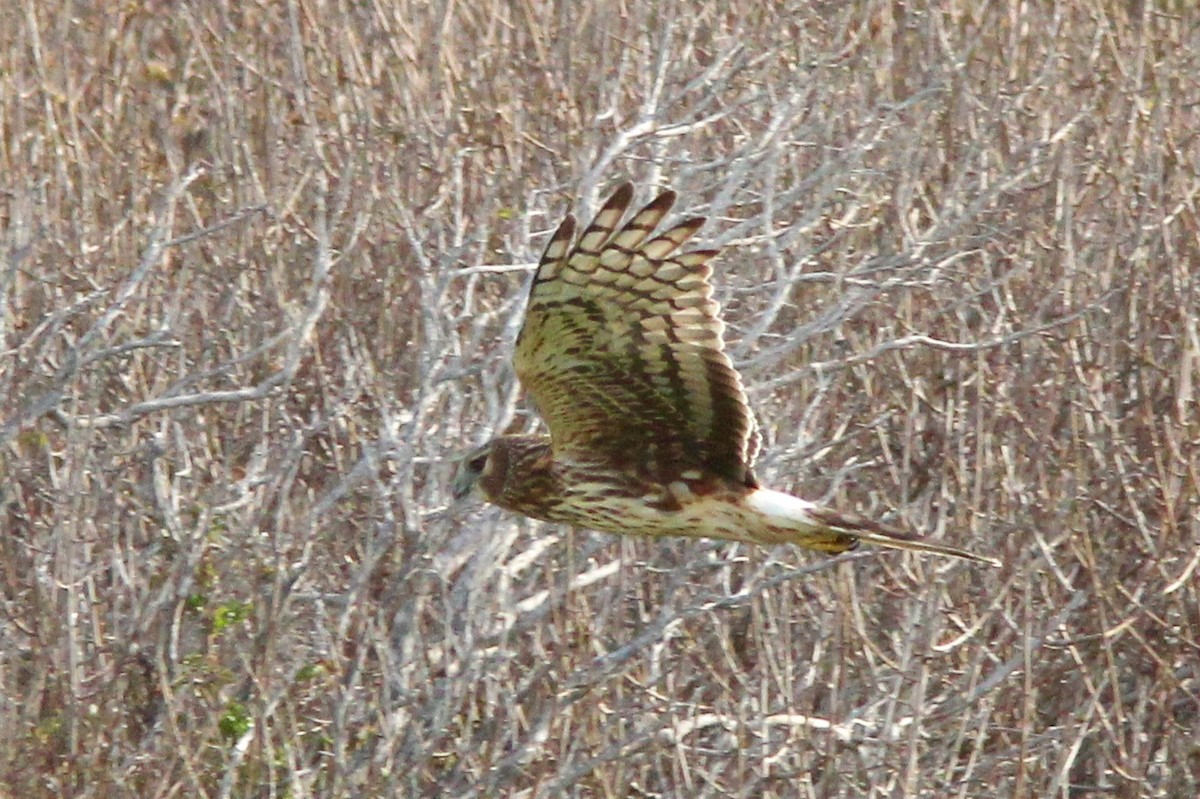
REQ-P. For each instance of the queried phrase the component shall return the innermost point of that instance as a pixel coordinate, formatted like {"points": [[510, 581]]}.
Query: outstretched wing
{"points": [[622, 352]]}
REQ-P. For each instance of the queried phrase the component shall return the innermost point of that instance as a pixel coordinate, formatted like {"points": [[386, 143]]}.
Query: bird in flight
{"points": [[650, 430]]}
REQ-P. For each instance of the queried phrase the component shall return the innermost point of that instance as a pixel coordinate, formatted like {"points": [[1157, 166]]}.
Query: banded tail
{"points": [[799, 521]]}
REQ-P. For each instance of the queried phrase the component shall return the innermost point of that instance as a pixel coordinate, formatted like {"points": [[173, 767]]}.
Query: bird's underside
{"points": [[650, 430], [525, 478]]}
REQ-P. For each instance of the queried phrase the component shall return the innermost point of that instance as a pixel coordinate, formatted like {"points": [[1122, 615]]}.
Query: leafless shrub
{"points": [[263, 265]]}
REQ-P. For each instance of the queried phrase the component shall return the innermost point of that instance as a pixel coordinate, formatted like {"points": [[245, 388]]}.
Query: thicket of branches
{"points": [[262, 266]]}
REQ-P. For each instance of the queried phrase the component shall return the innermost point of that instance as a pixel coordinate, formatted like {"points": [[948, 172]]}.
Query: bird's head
{"points": [[469, 473], [503, 470]]}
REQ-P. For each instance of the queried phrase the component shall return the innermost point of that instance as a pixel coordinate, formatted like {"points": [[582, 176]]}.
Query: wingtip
{"points": [[566, 228], [621, 195], [560, 242], [663, 202]]}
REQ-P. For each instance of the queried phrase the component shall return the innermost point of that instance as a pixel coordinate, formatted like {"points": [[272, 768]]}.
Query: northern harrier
{"points": [[650, 430]]}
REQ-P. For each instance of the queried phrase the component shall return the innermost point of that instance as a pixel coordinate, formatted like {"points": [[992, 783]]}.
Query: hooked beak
{"points": [[464, 483]]}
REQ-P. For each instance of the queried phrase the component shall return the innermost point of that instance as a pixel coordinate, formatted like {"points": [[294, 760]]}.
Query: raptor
{"points": [[650, 431]]}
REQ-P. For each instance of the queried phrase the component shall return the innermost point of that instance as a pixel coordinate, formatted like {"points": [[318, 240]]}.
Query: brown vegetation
{"points": [[262, 268]]}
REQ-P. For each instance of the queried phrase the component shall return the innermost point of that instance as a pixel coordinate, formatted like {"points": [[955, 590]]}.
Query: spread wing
{"points": [[622, 353]]}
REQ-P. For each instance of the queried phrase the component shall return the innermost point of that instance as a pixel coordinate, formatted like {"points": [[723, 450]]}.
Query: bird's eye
{"points": [[477, 463]]}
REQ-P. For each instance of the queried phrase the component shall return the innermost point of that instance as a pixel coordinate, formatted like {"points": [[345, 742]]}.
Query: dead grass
{"points": [[256, 291]]}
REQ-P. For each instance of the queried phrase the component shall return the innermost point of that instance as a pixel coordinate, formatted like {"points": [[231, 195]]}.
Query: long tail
{"points": [[807, 524]]}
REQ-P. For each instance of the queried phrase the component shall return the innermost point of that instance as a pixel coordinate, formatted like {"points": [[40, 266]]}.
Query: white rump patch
{"points": [[778, 505]]}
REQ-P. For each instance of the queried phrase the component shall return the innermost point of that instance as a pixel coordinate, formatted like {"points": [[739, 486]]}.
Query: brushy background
{"points": [[262, 269]]}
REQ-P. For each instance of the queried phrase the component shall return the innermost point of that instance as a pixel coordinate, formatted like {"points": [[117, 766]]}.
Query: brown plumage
{"points": [[650, 429]]}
